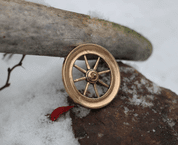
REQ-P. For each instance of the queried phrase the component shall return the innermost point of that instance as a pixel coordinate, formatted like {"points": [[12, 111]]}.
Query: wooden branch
{"points": [[9, 70], [34, 29]]}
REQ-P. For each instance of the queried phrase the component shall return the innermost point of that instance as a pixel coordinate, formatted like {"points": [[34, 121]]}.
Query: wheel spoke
{"points": [[86, 62], [102, 72], [104, 84], [96, 91], [79, 68], [96, 64], [86, 88], [80, 79]]}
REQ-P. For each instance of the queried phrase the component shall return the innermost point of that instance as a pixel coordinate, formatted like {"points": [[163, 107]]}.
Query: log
{"points": [[34, 29]]}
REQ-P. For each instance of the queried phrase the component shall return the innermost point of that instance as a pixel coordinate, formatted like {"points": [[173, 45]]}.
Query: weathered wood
{"points": [[34, 29]]}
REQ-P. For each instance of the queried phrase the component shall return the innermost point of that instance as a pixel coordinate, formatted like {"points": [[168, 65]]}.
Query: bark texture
{"points": [[34, 29]]}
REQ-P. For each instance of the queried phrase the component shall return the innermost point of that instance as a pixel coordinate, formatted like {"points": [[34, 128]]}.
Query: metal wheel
{"points": [[91, 76]]}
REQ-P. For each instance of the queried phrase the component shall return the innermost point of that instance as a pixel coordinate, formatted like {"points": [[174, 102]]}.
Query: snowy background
{"points": [[38, 89]]}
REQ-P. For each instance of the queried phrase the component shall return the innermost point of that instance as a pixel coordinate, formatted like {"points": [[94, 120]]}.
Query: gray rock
{"points": [[34, 29]]}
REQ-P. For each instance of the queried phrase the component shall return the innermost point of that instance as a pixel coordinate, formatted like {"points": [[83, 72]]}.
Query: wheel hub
{"points": [[92, 76]]}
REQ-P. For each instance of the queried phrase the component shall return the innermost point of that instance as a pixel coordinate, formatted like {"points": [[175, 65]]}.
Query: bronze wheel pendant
{"points": [[91, 76]]}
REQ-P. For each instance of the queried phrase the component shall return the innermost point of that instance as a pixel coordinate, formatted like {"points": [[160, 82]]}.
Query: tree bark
{"points": [[34, 29]]}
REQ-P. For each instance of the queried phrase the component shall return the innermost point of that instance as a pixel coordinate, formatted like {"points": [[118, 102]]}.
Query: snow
{"points": [[81, 111], [152, 89], [34, 93], [39, 2], [140, 100], [126, 110], [38, 89]]}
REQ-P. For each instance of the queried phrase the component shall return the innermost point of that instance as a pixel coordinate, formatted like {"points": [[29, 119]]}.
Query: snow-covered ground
{"points": [[38, 89]]}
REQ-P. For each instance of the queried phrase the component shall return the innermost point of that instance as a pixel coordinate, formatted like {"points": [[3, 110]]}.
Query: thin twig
{"points": [[9, 70], [6, 54]]}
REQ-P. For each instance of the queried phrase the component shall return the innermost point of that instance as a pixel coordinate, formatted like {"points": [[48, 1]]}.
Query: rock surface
{"points": [[34, 29], [141, 114]]}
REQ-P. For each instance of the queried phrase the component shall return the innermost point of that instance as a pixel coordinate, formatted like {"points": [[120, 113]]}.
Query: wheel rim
{"points": [[91, 76]]}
